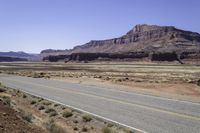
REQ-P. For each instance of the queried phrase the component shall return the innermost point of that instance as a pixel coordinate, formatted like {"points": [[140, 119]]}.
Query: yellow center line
{"points": [[114, 100]]}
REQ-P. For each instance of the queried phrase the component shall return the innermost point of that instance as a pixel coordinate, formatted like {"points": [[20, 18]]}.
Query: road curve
{"points": [[148, 113]]}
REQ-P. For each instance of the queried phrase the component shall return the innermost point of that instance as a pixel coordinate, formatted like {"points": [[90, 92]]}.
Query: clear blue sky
{"points": [[34, 25]]}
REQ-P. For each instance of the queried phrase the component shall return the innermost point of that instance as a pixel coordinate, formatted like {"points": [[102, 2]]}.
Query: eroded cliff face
{"points": [[156, 43], [145, 38]]}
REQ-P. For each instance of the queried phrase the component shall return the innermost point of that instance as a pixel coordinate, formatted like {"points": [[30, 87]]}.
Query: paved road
{"points": [[145, 112]]}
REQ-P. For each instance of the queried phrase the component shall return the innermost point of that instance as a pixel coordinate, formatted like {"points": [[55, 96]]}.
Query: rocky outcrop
{"points": [[167, 56], [50, 51], [106, 56], [55, 58]]}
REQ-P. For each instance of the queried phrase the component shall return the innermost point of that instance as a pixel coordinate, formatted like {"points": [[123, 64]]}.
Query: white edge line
{"points": [[98, 116]]}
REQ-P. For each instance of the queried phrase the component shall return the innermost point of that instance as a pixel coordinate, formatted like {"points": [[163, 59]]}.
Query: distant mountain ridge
{"points": [[21, 55]]}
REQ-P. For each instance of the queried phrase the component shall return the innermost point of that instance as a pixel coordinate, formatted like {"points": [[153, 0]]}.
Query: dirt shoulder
{"points": [[11, 122], [24, 113]]}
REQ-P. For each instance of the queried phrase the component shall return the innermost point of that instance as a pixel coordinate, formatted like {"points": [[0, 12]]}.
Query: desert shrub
{"points": [[40, 99], [33, 102], [75, 128], [52, 127], [6, 100], [46, 103], [24, 96], [36, 75], [56, 105], [63, 107], [86, 118], [53, 114], [110, 125], [84, 129], [198, 82], [75, 121], [10, 72], [2, 89], [26, 116], [128, 131], [67, 113], [42, 73], [106, 130], [41, 107], [49, 110]]}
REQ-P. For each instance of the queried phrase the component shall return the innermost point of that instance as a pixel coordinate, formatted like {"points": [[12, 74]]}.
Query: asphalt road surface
{"points": [[149, 113]]}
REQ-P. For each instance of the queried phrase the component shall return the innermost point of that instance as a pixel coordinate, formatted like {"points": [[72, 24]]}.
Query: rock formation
{"points": [[160, 43]]}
